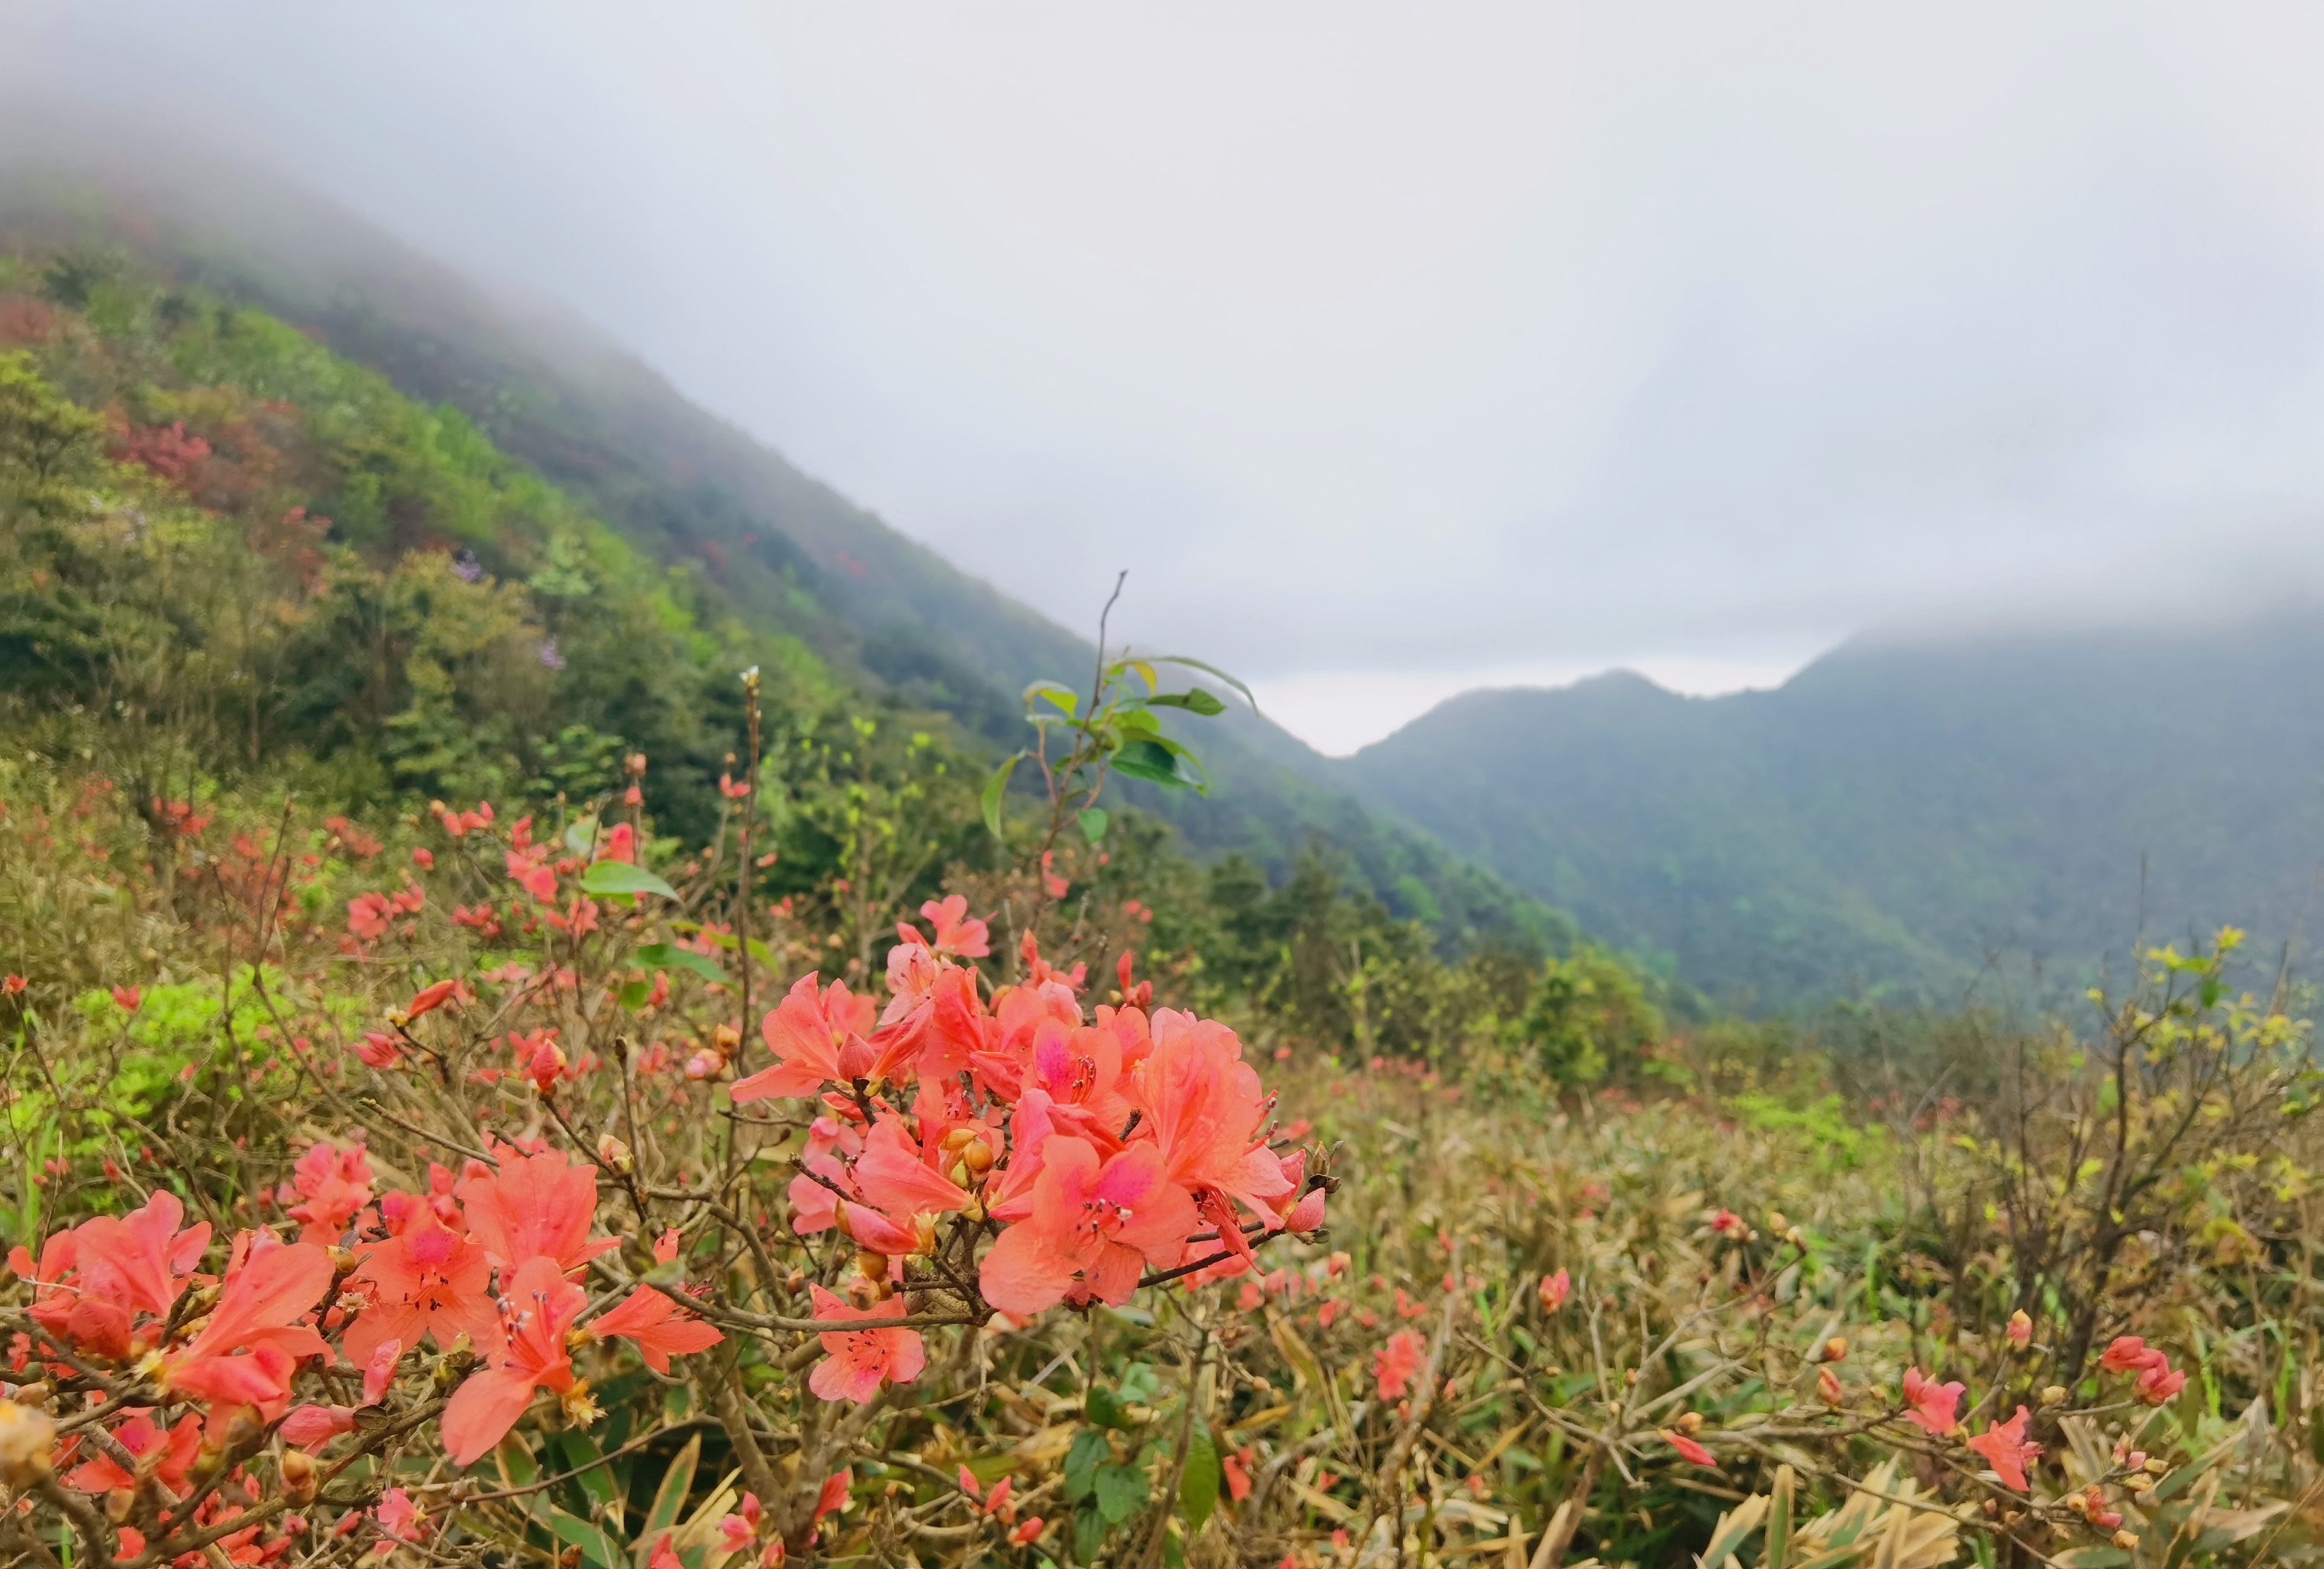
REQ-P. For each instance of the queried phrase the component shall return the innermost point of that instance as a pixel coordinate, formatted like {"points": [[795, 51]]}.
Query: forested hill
{"points": [[755, 539], [1903, 812]]}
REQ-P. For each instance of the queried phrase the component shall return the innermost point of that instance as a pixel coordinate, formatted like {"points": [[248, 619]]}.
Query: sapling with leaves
{"points": [[1116, 728]]}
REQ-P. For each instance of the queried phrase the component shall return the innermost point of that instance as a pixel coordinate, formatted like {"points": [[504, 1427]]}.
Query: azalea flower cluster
{"points": [[1123, 1148], [196, 1368]]}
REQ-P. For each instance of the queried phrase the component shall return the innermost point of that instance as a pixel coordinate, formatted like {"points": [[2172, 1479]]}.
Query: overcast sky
{"points": [[1396, 348]]}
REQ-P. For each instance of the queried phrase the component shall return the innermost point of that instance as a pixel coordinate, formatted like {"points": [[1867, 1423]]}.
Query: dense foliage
{"points": [[484, 1084], [1912, 821]]}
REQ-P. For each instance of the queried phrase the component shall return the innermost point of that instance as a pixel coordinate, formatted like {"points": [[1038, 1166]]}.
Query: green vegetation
{"points": [[757, 543], [2003, 818]]}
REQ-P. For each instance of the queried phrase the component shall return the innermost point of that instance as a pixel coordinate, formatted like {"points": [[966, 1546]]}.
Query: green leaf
{"points": [[1093, 820], [1194, 700], [1139, 1383], [669, 1498], [596, 1547], [1152, 761], [1198, 1488], [1210, 670], [633, 994], [1088, 1447], [1065, 699], [1089, 1534], [1120, 1492], [1103, 1407], [671, 956], [1778, 1551], [595, 1481], [995, 786], [620, 877]]}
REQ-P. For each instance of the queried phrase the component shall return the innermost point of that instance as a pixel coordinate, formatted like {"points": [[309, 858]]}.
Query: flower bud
{"points": [[1777, 1223], [2055, 1395], [1828, 1388], [119, 1502], [26, 1438], [614, 1155], [726, 1038], [299, 1476], [2154, 1465], [2021, 1329], [1690, 1422], [33, 1394], [2125, 1540], [1835, 1348], [2137, 1481], [977, 1156]]}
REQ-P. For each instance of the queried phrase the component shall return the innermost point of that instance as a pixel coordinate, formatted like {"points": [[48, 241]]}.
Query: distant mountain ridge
{"points": [[881, 612], [1904, 811]]}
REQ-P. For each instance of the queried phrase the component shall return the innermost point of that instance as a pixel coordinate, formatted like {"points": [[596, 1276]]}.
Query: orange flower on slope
{"points": [[427, 1281], [2005, 1448], [1205, 1107], [536, 1313], [1395, 1363], [957, 934], [264, 1297], [860, 1361], [1934, 1405], [137, 1260], [535, 1206], [1099, 1221], [656, 1324], [174, 1451], [816, 1036]]}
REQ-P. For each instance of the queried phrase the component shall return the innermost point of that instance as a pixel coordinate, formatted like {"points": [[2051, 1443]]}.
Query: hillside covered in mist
{"points": [[852, 606], [1903, 818]]}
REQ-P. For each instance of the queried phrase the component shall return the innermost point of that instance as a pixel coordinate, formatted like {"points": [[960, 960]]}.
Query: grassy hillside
{"points": [[1902, 813], [758, 543]]}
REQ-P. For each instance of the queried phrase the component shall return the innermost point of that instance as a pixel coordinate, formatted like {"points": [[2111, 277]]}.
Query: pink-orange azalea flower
{"points": [[2004, 1446], [1934, 1405], [536, 1313], [656, 1324], [858, 1363], [1097, 1221]]}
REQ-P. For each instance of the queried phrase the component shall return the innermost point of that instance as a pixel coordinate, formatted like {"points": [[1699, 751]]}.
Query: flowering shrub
{"points": [[560, 1183], [549, 1255]]}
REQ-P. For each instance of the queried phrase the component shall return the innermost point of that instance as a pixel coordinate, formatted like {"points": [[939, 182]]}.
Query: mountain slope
{"points": [[777, 549], [1901, 812]]}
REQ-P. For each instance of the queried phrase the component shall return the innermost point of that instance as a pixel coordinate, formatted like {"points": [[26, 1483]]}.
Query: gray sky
{"points": [[1396, 348]]}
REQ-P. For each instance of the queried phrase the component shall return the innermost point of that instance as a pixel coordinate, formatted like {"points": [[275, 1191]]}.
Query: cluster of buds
{"points": [[973, 1157], [710, 1062], [634, 765]]}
